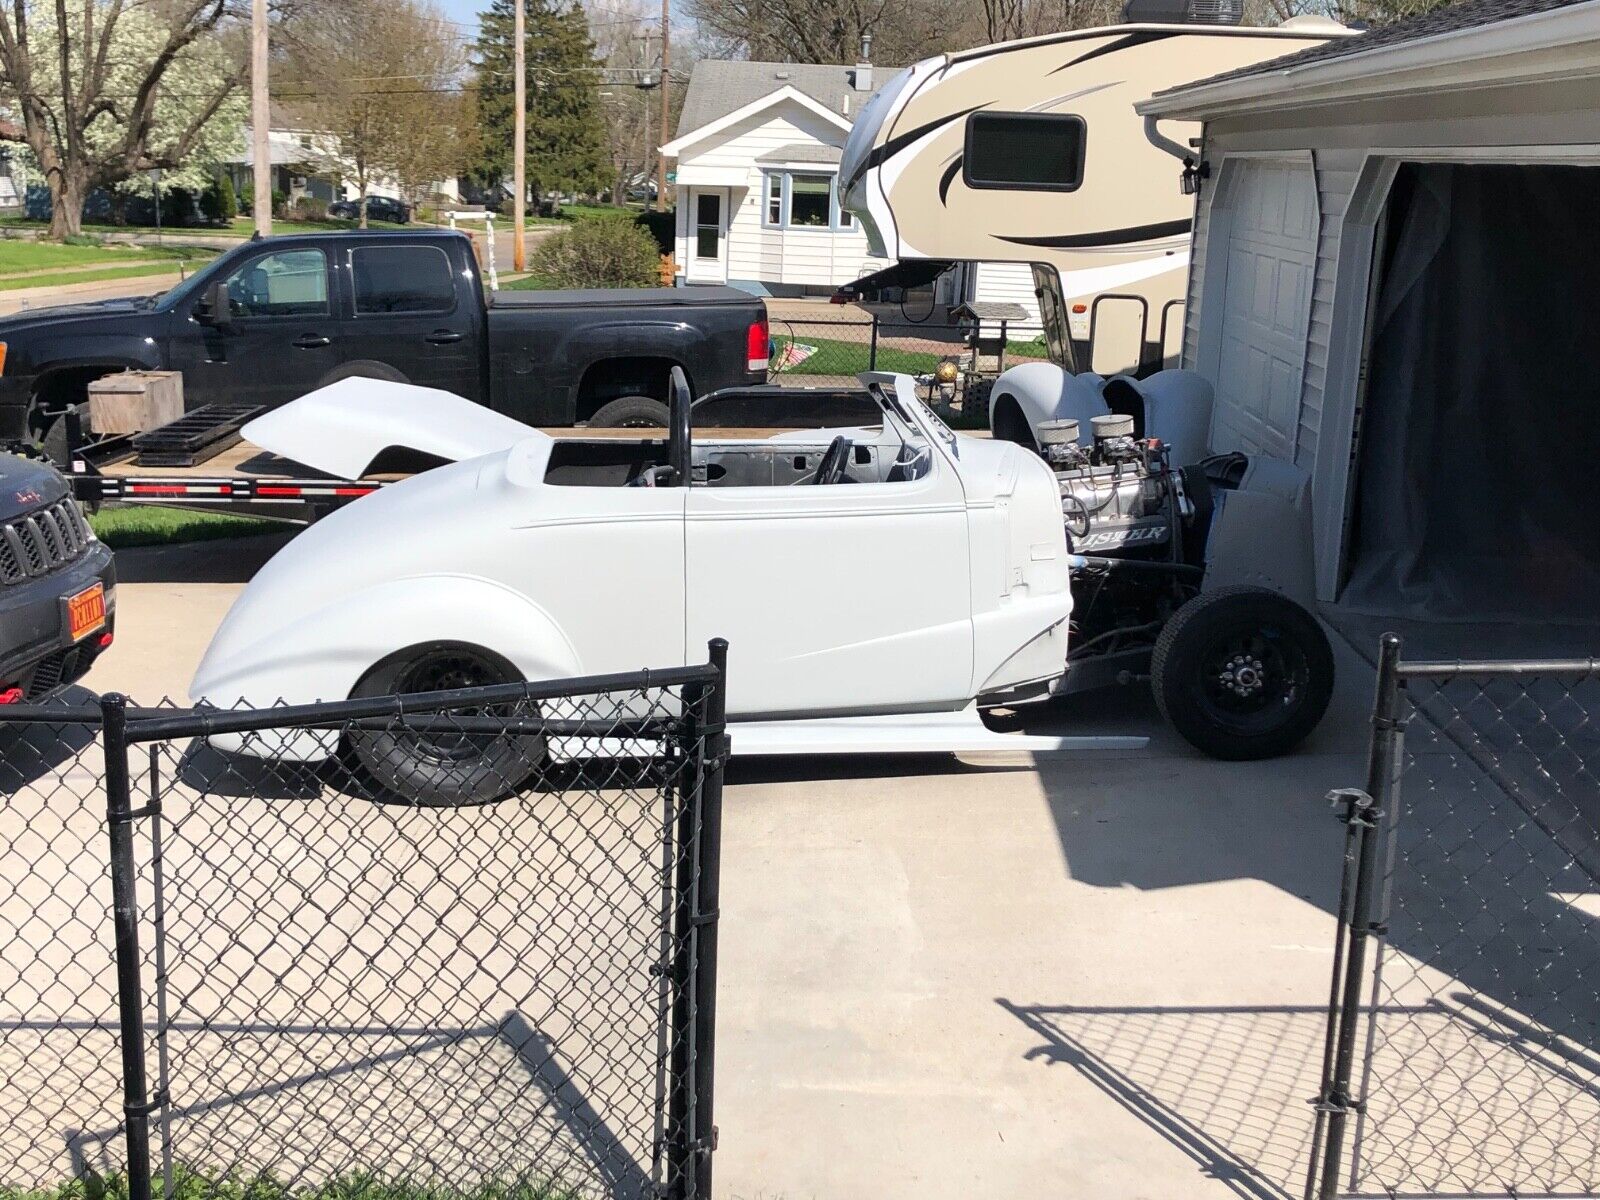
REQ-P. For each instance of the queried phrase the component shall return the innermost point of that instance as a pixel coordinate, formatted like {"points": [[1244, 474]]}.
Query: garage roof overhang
{"points": [[1559, 44]]}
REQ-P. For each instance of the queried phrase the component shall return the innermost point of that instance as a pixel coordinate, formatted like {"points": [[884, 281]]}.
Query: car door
{"points": [[842, 598], [282, 340], [409, 313]]}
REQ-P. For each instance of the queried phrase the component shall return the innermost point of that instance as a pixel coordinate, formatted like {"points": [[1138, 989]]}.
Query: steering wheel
{"points": [[679, 448], [834, 460]]}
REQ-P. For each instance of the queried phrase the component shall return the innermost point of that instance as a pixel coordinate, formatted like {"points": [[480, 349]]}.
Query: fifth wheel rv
{"points": [[1031, 152]]}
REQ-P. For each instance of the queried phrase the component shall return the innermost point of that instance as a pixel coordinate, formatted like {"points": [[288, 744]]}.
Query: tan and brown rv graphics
{"points": [[1070, 180]]}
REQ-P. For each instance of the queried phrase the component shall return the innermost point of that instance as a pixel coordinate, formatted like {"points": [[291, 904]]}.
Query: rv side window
{"points": [[1034, 152]]}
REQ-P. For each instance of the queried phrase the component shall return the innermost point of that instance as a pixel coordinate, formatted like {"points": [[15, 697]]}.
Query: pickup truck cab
{"points": [[278, 317]]}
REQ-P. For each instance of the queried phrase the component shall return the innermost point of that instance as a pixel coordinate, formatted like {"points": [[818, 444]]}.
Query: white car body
{"points": [[869, 617]]}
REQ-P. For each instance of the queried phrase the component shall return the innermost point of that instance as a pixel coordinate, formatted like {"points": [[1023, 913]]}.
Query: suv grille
{"points": [[43, 540]]}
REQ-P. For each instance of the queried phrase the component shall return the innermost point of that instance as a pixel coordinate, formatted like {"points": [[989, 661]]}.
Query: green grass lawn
{"points": [[17, 255], [835, 357], [528, 283], [191, 1184], [241, 227], [148, 525]]}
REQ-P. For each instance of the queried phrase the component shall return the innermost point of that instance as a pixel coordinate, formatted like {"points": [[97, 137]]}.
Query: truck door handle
{"points": [[311, 341], [443, 337]]}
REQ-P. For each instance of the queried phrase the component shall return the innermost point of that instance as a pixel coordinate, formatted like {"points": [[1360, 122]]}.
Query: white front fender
{"points": [[1043, 392]]}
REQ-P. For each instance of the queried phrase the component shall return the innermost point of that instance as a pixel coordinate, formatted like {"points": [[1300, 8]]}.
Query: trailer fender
{"points": [[1033, 392], [321, 655], [343, 427]]}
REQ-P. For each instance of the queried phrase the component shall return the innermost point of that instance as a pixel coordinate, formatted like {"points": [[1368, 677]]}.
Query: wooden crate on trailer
{"points": [[134, 401]]}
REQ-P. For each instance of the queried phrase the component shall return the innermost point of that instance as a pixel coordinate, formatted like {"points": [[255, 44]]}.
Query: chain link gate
{"points": [[1462, 1052], [322, 985]]}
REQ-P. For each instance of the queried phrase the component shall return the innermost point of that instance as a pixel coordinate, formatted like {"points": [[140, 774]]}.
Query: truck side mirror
{"points": [[216, 309]]}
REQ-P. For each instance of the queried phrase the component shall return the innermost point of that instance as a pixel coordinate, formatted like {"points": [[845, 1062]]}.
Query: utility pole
{"points": [[666, 100], [519, 141], [260, 120]]}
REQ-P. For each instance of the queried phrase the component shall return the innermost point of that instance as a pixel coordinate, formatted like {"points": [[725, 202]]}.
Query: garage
{"points": [[1396, 258], [1475, 464]]}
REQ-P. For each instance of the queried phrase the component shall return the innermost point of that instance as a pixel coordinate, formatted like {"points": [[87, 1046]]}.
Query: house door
{"points": [[708, 237]]}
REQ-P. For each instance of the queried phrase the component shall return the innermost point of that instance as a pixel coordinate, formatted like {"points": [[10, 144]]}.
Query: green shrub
{"points": [[217, 202], [84, 239], [663, 226], [599, 253], [309, 208]]}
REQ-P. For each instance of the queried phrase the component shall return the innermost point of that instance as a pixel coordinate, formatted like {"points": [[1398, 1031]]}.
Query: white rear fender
{"points": [[1034, 392], [344, 427], [323, 654]]}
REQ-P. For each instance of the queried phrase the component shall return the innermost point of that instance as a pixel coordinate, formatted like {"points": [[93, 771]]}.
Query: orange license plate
{"points": [[86, 612]]}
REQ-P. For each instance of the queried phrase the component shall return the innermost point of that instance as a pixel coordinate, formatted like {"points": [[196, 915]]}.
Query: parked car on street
{"points": [[272, 320], [58, 585], [379, 208]]}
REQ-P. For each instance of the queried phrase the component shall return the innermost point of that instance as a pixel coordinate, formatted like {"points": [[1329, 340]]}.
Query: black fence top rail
{"points": [[1463, 668], [153, 724]]}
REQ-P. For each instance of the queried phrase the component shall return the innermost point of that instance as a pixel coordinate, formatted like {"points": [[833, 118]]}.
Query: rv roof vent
{"points": [[1184, 12]]}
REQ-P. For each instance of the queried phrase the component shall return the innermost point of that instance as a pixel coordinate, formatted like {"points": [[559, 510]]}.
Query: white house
{"points": [[757, 164], [1394, 282]]}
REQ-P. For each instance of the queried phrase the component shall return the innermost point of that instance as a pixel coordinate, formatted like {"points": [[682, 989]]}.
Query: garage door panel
{"points": [[1270, 262]]}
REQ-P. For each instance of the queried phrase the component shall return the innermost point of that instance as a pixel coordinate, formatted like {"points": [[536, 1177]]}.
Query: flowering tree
{"points": [[108, 88]]}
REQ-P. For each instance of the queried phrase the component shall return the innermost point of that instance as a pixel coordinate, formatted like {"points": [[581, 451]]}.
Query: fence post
{"points": [[1365, 811], [872, 350], [130, 1000], [708, 898]]}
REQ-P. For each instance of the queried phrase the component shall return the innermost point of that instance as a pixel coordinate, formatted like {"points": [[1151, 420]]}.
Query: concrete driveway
{"points": [[1071, 976]]}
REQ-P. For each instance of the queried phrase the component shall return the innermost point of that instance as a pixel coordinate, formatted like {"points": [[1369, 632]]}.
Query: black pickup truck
{"points": [[275, 318]]}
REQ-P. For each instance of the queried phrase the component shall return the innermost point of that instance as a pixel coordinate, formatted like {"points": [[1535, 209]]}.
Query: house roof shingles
{"points": [[1467, 14], [721, 86]]}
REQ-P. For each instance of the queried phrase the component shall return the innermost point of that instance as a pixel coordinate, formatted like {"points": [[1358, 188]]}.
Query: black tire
{"points": [[443, 769], [364, 368], [631, 412], [1242, 673]]}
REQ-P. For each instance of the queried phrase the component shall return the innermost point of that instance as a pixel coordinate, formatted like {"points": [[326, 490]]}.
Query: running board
{"points": [[924, 733]]}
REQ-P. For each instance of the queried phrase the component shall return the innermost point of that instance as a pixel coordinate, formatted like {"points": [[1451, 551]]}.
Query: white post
{"points": [[488, 236]]}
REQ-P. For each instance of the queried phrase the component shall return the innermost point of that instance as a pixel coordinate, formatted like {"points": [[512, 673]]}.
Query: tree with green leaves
{"points": [[568, 150]]}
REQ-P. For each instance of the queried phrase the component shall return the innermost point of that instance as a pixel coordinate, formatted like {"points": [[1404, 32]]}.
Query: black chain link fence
{"points": [[1463, 1042], [455, 944], [833, 352]]}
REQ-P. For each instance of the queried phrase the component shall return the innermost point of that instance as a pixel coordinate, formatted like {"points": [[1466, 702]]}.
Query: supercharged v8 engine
{"points": [[1121, 497]]}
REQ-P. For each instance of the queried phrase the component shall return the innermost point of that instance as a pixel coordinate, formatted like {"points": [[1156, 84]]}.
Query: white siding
{"points": [[794, 257], [1010, 283]]}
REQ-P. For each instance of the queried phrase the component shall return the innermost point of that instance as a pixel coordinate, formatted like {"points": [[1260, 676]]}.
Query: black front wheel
{"points": [[444, 767], [1242, 673]]}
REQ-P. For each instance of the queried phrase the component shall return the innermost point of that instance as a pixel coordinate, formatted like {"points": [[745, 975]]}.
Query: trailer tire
{"points": [[364, 368], [1242, 673], [630, 412], [444, 770]]}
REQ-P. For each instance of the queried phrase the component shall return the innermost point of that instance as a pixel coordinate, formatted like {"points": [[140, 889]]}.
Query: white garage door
{"points": [[1270, 254]]}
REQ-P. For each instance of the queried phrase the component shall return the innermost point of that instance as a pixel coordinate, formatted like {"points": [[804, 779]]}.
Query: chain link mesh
{"points": [[1482, 1047], [430, 952]]}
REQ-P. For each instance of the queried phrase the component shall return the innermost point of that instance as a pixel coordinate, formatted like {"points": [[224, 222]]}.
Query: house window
{"points": [[1033, 152], [774, 199], [802, 200]]}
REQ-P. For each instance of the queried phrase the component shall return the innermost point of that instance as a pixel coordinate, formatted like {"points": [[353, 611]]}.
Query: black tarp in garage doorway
{"points": [[1477, 479]]}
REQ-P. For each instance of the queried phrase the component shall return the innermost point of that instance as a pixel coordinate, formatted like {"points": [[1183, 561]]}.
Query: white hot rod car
{"points": [[878, 586]]}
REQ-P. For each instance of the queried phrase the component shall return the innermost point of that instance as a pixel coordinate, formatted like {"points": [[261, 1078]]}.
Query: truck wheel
{"points": [[630, 412], [445, 768], [1242, 673]]}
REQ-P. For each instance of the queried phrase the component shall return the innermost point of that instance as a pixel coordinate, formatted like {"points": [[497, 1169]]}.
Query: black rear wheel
{"points": [[630, 412], [445, 767], [1242, 673]]}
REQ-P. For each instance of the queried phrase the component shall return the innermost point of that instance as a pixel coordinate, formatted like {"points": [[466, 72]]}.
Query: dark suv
{"points": [[379, 208], [58, 587]]}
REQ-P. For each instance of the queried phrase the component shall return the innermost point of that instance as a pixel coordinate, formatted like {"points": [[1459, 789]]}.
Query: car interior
{"points": [[891, 453]]}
